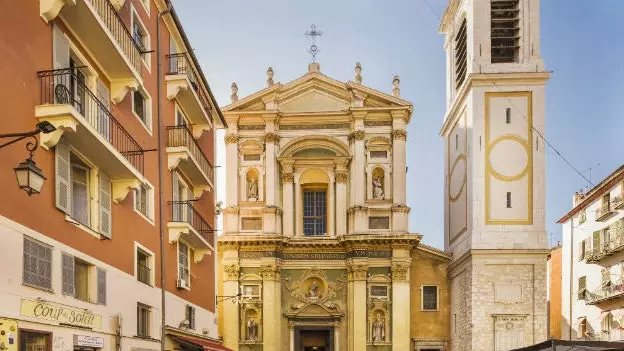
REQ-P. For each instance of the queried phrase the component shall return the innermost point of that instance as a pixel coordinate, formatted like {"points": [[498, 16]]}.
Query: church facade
{"points": [[316, 236]]}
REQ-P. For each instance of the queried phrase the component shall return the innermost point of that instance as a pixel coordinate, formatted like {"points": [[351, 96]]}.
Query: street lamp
{"points": [[29, 177]]}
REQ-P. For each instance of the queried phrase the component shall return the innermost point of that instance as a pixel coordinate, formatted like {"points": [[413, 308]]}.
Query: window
{"points": [[508, 199], [505, 29], [582, 286], [314, 215], [144, 272], [78, 277], [80, 208], [142, 200], [37, 265], [606, 236], [140, 35], [81, 280], [582, 328], [605, 322], [456, 141], [143, 320], [461, 54], [34, 341], [183, 265], [190, 316], [251, 157], [606, 202], [429, 298], [180, 118], [582, 249], [582, 217], [508, 115], [138, 106], [379, 154]]}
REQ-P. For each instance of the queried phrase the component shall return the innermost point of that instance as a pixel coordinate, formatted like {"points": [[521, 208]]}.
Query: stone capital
{"points": [[288, 177], [271, 138], [400, 271], [231, 272], [401, 208], [357, 271], [341, 176], [399, 134], [357, 135], [231, 138], [270, 272]]}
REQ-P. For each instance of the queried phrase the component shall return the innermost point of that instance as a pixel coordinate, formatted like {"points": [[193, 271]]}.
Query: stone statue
{"points": [[358, 73], [396, 91], [234, 96], [252, 192], [270, 76], [313, 293], [252, 330], [378, 193], [379, 329]]}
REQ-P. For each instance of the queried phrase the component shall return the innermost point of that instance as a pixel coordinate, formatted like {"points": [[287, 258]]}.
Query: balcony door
{"points": [[77, 87], [103, 125], [182, 195]]}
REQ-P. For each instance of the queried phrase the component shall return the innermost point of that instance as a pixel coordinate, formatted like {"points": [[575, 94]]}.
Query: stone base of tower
{"points": [[498, 300]]}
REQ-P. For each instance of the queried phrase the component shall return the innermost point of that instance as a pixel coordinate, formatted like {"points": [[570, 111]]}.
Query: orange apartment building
{"points": [[82, 259], [554, 292]]}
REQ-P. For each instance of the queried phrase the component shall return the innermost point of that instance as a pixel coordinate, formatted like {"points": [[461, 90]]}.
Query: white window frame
{"points": [[147, 100], [151, 260], [148, 328], [135, 18], [188, 263], [92, 196], [149, 215], [422, 298]]}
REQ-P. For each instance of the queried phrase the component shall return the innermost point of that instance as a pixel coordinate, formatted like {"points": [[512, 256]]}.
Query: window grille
{"points": [[37, 269], [505, 29], [190, 316], [314, 216]]}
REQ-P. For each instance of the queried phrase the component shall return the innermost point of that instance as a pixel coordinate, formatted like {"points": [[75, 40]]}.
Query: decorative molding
{"points": [[357, 135], [121, 188], [401, 208], [119, 88], [231, 138], [378, 123], [400, 271], [358, 272], [399, 134], [271, 138], [49, 9], [315, 126], [231, 272], [270, 272], [251, 127], [341, 176], [288, 177]]}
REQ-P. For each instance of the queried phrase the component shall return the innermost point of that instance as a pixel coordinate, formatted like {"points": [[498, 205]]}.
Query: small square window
{"points": [[429, 298]]}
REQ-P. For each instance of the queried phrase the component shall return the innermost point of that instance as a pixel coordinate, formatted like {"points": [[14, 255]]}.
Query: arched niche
{"points": [[378, 187], [314, 142], [314, 175], [251, 151], [252, 185], [251, 323]]}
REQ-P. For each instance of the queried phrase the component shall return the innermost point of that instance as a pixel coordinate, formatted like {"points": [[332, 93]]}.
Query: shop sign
{"points": [[60, 313], [8, 334], [89, 341]]}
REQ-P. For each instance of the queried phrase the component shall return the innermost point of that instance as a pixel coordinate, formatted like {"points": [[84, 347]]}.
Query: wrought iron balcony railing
{"points": [[180, 64], [608, 292], [144, 274], [617, 202], [182, 136], [611, 247], [130, 45], [604, 211], [183, 211], [65, 86]]}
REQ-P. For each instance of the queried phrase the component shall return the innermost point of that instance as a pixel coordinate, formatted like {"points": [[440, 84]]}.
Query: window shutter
{"points": [[105, 205], [176, 187], [597, 239], [60, 48], [582, 285], [62, 178], [581, 250], [68, 274], [192, 322], [101, 286]]}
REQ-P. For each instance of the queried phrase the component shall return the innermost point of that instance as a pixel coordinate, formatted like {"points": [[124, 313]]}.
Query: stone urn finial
{"points": [[270, 76], [234, 95], [358, 73], [396, 91]]}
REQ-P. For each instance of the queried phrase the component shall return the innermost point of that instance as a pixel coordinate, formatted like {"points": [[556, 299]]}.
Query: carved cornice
{"points": [[357, 135], [399, 134], [231, 138], [231, 272], [358, 271], [401, 208], [354, 209], [400, 271], [271, 138], [288, 177], [342, 176], [270, 272]]}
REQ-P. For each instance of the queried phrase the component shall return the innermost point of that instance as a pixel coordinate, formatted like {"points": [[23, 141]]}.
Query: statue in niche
{"points": [[379, 329], [252, 330], [313, 292], [378, 193], [252, 192]]}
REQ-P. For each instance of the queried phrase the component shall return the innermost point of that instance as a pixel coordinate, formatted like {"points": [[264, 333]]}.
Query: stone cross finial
{"points": [[396, 91], [358, 73], [270, 76], [234, 95]]}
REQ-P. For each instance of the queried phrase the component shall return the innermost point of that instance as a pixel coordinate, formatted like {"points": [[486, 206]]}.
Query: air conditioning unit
{"points": [[182, 284]]}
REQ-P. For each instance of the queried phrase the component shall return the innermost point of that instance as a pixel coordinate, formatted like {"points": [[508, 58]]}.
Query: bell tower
{"points": [[495, 173]]}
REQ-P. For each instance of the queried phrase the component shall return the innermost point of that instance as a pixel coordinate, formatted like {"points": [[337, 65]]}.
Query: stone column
{"points": [[358, 182], [288, 204], [399, 136], [331, 219], [231, 323], [358, 270], [297, 207], [336, 336], [271, 140], [230, 214], [341, 176], [400, 302], [291, 326], [271, 304]]}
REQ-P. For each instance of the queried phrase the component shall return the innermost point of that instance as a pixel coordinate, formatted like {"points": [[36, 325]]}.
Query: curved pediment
{"points": [[315, 310], [298, 146]]}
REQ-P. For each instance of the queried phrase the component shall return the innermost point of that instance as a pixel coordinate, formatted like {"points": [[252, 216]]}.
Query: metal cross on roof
{"points": [[312, 34]]}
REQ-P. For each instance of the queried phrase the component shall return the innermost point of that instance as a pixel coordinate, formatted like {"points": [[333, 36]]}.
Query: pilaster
{"points": [[288, 202], [357, 135], [341, 175], [230, 310], [271, 304], [399, 136], [231, 166], [401, 304], [358, 270], [271, 141]]}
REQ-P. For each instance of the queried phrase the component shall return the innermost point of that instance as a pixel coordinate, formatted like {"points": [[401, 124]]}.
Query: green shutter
{"points": [[582, 286], [597, 239]]}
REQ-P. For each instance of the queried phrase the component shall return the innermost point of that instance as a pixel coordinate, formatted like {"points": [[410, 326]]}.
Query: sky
{"points": [[235, 41]]}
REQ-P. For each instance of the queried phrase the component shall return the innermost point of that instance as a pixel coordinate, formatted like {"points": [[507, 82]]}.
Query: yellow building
{"points": [[316, 234]]}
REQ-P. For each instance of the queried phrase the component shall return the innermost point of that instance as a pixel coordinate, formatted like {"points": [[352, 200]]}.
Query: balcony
{"points": [[183, 84], [184, 153], [604, 212], [606, 293], [618, 202], [98, 27], [186, 222], [88, 125]]}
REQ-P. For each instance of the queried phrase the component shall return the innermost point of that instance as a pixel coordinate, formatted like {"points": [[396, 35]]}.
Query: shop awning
{"points": [[199, 344]]}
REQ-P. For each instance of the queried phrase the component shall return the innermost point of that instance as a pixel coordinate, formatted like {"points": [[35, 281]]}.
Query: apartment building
{"points": [[82, 259], [592, 267]]}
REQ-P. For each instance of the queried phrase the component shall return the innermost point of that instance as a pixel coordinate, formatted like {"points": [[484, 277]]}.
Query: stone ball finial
{"points": [[270, 76], [358, 73], [234, 95], [396, 91]]}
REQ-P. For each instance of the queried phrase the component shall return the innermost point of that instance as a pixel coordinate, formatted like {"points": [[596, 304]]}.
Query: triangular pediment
{"points": [[315, 92]]}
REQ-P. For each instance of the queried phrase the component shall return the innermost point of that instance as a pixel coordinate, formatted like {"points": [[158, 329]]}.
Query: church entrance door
{"points": [[314, 339]]}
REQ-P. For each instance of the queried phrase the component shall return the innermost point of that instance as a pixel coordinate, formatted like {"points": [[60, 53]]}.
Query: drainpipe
{"points": [[161, 198], [571, 272]]}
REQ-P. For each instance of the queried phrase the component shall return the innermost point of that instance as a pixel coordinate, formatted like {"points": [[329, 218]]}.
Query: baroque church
{"points": [[315, 241]]}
